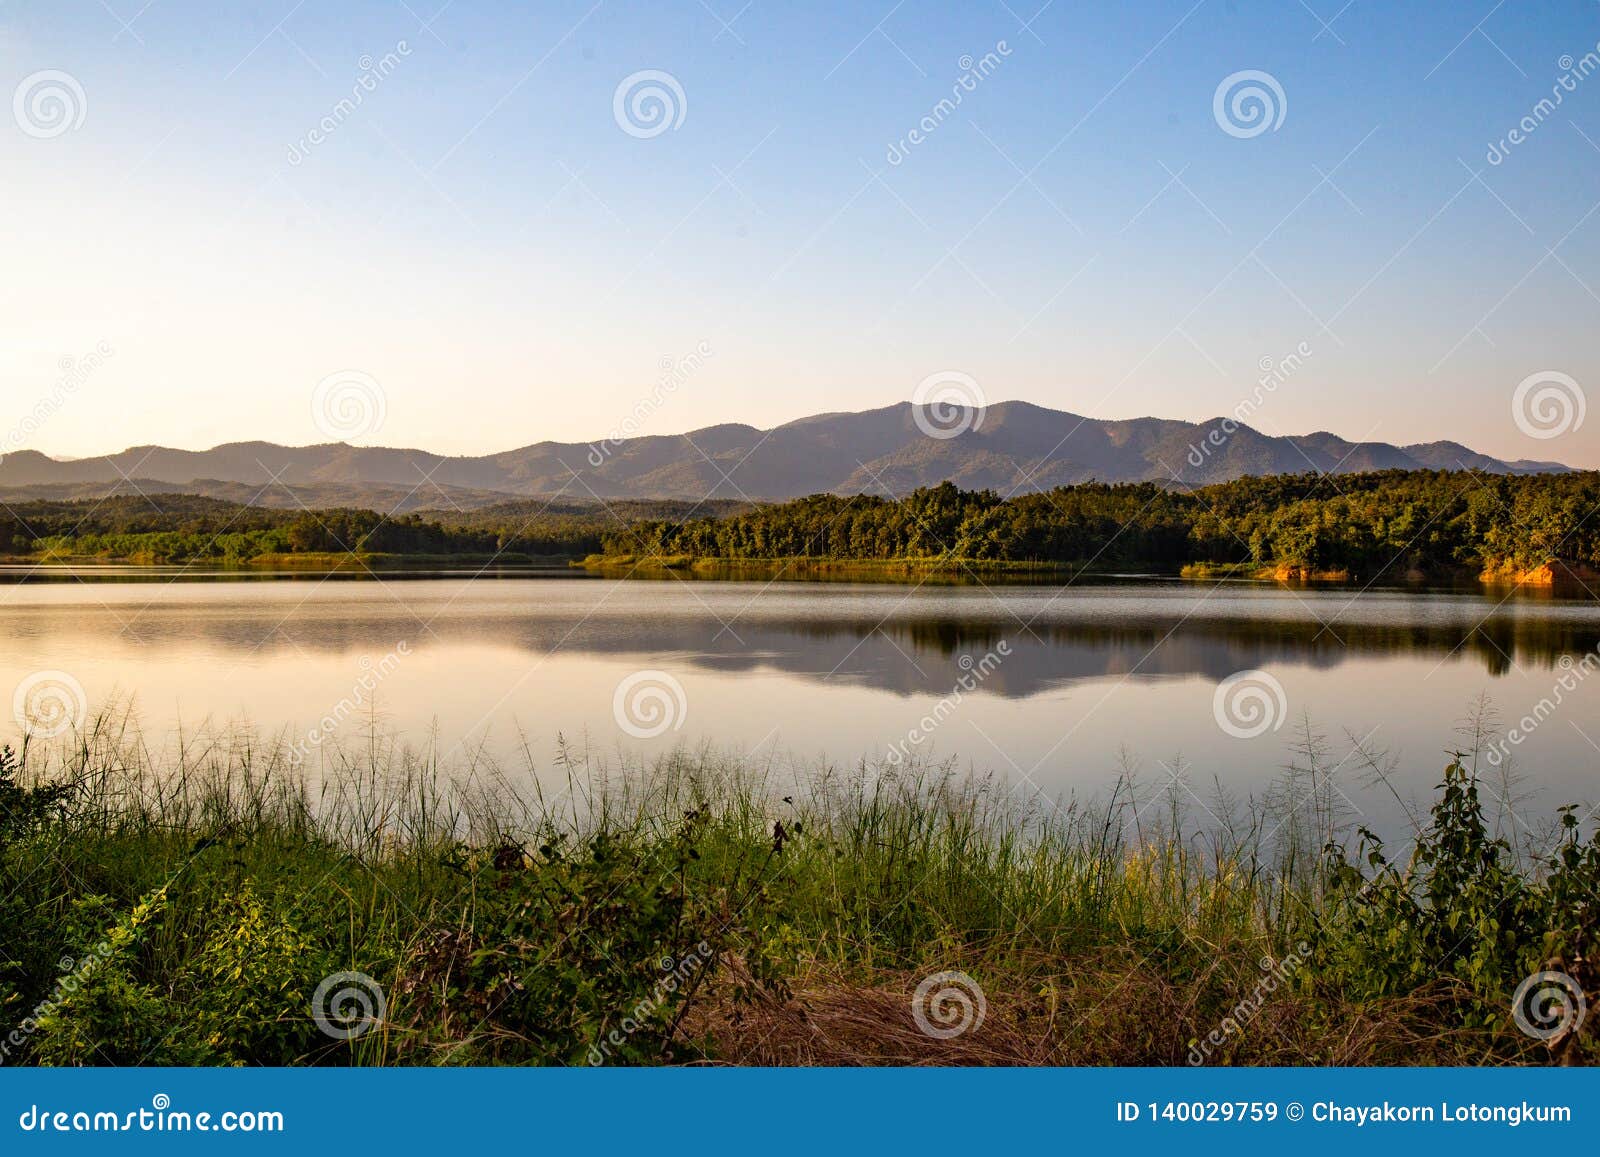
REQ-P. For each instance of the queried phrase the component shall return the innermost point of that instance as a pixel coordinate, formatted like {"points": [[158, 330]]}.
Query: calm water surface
{"points": [[1044, 685]]}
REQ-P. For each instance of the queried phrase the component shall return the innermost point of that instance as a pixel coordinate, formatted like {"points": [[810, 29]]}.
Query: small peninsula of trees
{"points": [[1394, 522]]}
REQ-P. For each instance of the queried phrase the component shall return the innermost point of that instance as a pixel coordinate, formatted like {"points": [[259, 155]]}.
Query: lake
{"points": [[1051, 688]]}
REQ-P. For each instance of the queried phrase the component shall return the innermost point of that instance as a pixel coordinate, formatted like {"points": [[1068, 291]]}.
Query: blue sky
{"points": [[481, 240]]}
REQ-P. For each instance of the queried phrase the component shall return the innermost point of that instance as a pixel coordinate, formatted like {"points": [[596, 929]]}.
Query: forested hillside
{"points": [[1387, 521], [186, 527], [1397, 523]]}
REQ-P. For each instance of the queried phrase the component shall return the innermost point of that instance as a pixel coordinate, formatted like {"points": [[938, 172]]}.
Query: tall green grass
{"points": [[184, 905]]}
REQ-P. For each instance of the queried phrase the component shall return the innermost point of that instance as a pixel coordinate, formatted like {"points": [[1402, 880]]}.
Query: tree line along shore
{"points": [[1536, 529], [1400, 525]]}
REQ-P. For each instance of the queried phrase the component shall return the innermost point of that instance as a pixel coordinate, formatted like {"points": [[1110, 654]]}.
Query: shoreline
{"points": [[1559, 578], [766, 567], [308, 560], [501, 930]]}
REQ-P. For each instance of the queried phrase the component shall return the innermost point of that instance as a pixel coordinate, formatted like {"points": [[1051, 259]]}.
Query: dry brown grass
{"points": [[1110, 1008]]}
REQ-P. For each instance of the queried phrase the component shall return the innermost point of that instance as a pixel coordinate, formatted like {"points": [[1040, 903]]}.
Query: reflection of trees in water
{"points": [[1498, 643], [943, 637], [901, 651], [1044, 655]]}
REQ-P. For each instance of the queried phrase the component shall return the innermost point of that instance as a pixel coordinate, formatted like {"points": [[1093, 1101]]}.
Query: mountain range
{"points": [[1015, 446]]}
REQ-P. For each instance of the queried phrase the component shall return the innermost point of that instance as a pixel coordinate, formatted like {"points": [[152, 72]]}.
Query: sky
{"points": [[446, 224]]}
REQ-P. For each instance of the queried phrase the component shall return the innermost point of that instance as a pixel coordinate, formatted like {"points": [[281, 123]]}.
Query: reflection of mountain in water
{"points": [[925, 656], [902, 652]]}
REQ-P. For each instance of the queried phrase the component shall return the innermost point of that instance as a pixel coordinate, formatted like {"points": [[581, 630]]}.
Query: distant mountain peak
{"points": [[1018, 446]]}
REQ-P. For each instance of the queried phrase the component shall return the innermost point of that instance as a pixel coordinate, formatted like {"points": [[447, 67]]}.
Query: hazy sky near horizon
{"points": [[483, 247]]}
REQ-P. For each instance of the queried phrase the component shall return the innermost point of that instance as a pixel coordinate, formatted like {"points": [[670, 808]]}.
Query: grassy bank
{"points": [[194, 909], [376, 559], [301, 560], [1556, 580], [639, 565], [1293, 574]]}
